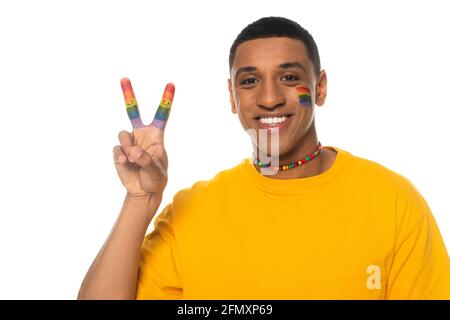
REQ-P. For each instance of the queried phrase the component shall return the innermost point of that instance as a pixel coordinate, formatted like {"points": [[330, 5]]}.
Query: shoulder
{"points": [[208, 189], [378, 175], [386, 185], [391, 195], [193, 206]]}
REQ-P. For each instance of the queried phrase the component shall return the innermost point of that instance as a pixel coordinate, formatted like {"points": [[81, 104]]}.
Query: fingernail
{"points": [[121, 159]]}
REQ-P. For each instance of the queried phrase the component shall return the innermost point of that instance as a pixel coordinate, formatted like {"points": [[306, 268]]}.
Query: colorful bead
{"points": [[292, 164]]}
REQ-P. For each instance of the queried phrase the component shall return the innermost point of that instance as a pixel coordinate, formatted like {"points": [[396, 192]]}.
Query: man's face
{"points": [[274, 78]]}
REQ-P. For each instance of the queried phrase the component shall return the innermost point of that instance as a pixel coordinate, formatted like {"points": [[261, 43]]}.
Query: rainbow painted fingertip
{"points": [[131, 103], [162, 114]]}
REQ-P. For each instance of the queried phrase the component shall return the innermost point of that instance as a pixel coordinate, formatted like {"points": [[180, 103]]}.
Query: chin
{"points": [[268, 150]]}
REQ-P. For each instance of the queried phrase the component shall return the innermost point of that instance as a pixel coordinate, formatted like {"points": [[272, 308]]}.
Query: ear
{"points": [[321, 88], [230, 89]]}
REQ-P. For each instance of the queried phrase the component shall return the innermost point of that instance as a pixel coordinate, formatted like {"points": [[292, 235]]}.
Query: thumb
{"points": [[151, 164]]}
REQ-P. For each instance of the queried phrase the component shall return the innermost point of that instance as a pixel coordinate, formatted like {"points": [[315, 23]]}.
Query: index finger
{"points": [[131, 103], [162, 114]]}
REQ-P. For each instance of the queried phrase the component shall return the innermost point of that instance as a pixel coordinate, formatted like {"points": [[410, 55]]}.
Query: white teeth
{"points": [[275, 120]]}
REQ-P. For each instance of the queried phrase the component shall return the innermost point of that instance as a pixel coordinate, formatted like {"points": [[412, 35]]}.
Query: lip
{"points": [[271, 115], [278, 126]]}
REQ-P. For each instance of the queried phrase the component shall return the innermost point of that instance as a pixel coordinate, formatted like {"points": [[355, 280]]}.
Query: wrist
{"points": [[144, 202], [138, 196]]}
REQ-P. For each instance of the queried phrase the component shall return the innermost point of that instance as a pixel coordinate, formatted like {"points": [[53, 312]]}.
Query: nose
{"points": [[270, 96]]}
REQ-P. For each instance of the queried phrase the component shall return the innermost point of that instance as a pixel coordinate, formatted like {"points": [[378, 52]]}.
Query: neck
{"points": [[305, 146]]}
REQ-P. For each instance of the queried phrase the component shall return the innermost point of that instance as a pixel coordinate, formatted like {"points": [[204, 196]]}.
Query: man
{"points": [[313, 222]]}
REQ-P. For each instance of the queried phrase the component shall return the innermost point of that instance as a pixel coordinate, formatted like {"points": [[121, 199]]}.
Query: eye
{"points": [[246, 81], [292, 77]]}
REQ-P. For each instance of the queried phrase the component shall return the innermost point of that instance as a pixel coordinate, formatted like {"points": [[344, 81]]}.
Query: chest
{"points": [[336, 251]]}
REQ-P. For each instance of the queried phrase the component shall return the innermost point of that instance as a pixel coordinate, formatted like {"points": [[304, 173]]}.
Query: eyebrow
{"points": [[287, 65]]}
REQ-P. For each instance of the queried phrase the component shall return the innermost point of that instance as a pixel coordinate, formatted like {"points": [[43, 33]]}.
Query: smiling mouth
{"points": [[273, 120], [278, 122]]}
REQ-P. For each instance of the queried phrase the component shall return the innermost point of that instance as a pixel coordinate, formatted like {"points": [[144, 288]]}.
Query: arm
{"points": [[113, 274], [421, 266], [141, 163]]}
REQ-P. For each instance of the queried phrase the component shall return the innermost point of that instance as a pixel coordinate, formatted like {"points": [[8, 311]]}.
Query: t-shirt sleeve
{"points": [[421, 265], [159, 274]]}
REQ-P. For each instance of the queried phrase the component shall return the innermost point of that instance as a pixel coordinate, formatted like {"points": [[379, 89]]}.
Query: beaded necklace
{"points": [[291, 165]]}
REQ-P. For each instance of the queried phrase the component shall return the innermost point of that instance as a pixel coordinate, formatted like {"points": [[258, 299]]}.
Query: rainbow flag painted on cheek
{"points": [[304, 96]]}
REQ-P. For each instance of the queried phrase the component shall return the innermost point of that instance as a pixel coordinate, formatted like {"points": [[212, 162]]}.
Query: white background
{"points": [[62, 108]]}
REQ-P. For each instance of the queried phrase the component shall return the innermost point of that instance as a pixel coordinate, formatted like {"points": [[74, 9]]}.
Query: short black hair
{"points": [[269, 27]]}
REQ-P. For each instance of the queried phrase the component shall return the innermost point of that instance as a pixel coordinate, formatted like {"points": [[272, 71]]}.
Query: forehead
{"points": [[268, 52]]}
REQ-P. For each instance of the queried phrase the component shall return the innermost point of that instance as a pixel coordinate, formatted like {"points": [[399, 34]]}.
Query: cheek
{"points": [[304, 96], [301, 123], [243, 118], [242, 105], [246, 96]]}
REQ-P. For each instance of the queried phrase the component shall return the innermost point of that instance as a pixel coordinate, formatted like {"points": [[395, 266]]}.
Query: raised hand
{"points": [[141, 159]]}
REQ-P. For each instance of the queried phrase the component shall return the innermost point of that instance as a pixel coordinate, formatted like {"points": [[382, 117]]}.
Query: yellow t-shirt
{"points": [[355, 231]]}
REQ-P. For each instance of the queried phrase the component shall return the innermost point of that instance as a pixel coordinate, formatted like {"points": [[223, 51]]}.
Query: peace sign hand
{"points": [[141, 159]]}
